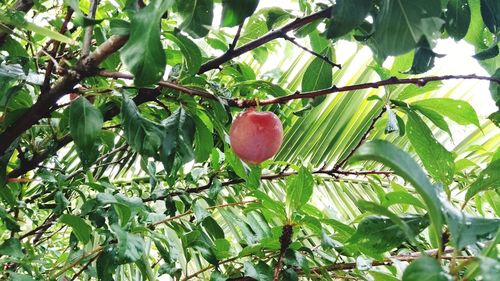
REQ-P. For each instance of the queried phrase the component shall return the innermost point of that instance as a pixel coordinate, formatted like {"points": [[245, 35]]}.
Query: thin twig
{"points": [[236, 38], [84, 267], [361, 141], [209, 208], [87, 39], [299, 22], [323, 57]]}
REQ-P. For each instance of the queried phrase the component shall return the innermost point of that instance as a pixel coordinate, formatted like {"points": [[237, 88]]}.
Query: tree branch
{"points": [[217, 62], [22, 6], [324, 58], [53, 52], [87, 39], [361, 141], [64, 85]]}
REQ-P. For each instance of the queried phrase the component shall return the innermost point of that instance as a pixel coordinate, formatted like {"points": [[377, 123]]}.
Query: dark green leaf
{"points": [[347, 15], [466, 230], [206, 251], [80, 228], [458, 17], [142, 135], [410, 170], [318, 75], [105, 264], [11, 247], [197, 16], [130, 247], [85, 123], [425, 269], [234, 12], [261, 271], [143, 53], [488, 53], [299, 189], [380, 234], [423, 59], [490, 11], [407, 21], [436, 159], [489, 178], [190, 51]]}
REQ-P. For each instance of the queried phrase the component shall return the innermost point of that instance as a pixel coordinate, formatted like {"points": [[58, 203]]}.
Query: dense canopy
{"points": [[116, 161]]}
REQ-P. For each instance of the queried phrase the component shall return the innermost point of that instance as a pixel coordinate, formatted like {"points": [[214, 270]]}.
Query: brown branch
{"points": [[85, 266], [64, 85], [285, 241], [53, 52], [22, 6], [87, 39], [318, 55], [361, 141], [236, 38], [217, 62], [245, 103], [280, 175]]}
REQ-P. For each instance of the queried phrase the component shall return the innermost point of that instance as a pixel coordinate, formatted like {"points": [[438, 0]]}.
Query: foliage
{"points": [[116, 164]]}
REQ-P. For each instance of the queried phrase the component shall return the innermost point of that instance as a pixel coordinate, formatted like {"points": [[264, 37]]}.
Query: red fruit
{"points": [[256, 136]]}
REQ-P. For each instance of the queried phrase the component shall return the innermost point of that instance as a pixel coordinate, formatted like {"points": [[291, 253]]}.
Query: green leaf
{"points": [[423, 59], [299, 189], [197, 16], [206, 251], [143, 53], [85, 123], [20, 277], [203, 138], [347, 15], [46, 32], [490, 11], [318, 75], [234, 12], [261, 271], [178, 139], [425, 269], [130, 247], [106, 263], [489, 178], [457, 110], [436, 118], [189, 49], [380, 234], [490, 268], [436, 159], [414, 90], [222, 249], [80, 228], [406, 20], [410, 170], [143, 135], [466, 230], [458, 17], [11, 247], [401, 197], [488, 53]]}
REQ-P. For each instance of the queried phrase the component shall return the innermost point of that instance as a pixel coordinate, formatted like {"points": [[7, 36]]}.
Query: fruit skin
{"points": [[256, 136]]}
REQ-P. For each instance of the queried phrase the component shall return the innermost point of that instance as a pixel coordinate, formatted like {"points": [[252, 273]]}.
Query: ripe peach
{"points": [[256, 136]]}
